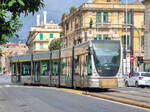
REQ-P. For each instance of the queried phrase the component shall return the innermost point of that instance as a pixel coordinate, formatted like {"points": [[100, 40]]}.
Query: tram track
{"points": [[131, 97]]}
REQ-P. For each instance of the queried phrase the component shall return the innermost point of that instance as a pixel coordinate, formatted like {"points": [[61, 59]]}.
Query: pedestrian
{"points": [[129, 75]]}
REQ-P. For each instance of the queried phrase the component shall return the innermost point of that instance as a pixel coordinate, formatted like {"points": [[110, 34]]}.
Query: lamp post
{"points": [[126, 35]]}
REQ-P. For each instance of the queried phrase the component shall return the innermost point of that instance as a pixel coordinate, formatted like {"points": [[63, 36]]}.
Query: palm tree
{"points": [[73, 9], [64, 15]]}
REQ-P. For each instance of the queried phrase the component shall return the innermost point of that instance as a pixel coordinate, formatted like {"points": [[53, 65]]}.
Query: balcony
{"points": [[45, 40]]}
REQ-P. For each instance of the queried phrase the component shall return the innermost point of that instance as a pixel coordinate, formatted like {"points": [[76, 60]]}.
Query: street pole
{"points": [[132, 44], [32, 66], [126, 37]]}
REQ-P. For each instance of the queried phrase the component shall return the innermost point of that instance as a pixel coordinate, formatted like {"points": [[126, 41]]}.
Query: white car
{"points": [[1, 73], [138, 79]]}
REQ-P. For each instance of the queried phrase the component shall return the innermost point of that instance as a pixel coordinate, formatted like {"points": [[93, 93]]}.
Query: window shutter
{"points": [[98, 17], [51, 35], [41, 36], [105, 17]]}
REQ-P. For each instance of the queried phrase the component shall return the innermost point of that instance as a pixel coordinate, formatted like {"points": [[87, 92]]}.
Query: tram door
{"points": [[37, 71], [18, 72]]}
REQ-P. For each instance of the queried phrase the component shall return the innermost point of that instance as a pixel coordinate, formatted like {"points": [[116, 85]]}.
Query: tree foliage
{"points": [[10, 11], [73, 9], [55, 44], [0, 58], [64, 15], [0, 68], [0, 52]]}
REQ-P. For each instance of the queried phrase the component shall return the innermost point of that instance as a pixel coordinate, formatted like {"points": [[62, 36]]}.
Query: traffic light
{"points": [[140, 59], [91, 23]]}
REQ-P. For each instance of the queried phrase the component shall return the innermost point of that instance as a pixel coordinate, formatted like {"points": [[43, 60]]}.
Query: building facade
{"points": [[147, 36], [41, 35], [8, 50], [104, 20]]}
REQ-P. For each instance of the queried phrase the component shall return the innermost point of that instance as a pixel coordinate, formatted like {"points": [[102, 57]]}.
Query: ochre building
{"points": [[104, 20], [147, 36]]}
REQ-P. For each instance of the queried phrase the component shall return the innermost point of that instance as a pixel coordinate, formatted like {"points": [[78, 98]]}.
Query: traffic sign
{"points": [[131, 58]]}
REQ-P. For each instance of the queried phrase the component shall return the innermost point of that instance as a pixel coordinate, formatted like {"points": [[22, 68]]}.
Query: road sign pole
{"points": [[132, 44]]}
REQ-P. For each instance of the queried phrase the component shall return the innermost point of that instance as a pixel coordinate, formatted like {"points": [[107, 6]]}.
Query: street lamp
{"points": [[126, 34]]}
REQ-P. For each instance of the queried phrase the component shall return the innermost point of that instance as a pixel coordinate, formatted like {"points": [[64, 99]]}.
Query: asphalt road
{"points": [[34, 99]]}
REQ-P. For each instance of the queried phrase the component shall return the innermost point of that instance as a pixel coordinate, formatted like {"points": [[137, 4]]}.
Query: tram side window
{"points": [[89, 65], [26, 69], [18, 68], [55, 68], [63, 66], [44, 67], [77, 65], [13, 69], [76, 61]]}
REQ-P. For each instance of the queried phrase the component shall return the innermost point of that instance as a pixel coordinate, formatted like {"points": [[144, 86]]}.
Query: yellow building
{"points": [[41, 35], [108, 17]]}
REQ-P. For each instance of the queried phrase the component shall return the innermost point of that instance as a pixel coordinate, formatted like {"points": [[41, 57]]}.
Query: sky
{"points": [[54, 8]]}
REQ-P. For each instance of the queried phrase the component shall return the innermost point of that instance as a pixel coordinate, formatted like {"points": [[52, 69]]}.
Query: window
{"points": [[71, 25], [41, 36], [55, 68], [124, 40], [105, 17], [128, 41], [142, 41], [13, 67], [41, 45], [89, 65], [99, 37], [79, 40], [51, 35], [44, 67], [85, 35], [74, 42], [128, 17], [26, 69], [106, 37], [98, 18]]}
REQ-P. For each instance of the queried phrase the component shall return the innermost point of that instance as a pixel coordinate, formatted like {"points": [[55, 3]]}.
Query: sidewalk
{"points": [[140, 101], [5, 79]]}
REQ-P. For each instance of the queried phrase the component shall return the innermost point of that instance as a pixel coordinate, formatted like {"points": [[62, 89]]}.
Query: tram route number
{"points": [[99, 70]]}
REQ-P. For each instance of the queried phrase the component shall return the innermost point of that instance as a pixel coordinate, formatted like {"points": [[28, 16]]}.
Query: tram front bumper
{"points": [[103, 83], [108, 83]]}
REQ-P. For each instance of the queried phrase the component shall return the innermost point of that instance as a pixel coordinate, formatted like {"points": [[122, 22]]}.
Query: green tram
{"points": [[94, 64]]}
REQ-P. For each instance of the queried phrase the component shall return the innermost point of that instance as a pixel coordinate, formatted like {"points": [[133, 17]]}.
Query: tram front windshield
{"points": [[107, 58]]}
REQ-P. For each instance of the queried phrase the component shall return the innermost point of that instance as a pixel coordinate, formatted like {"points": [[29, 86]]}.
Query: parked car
{"points": [[1, 73], [138, 79]]}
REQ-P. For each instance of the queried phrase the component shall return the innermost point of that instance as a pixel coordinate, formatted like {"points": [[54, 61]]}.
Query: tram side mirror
{"points": [[77, 59], [91, 51]]}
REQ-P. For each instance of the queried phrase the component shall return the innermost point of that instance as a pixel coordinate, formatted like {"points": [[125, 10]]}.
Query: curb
{"points": [[117, 100]]}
